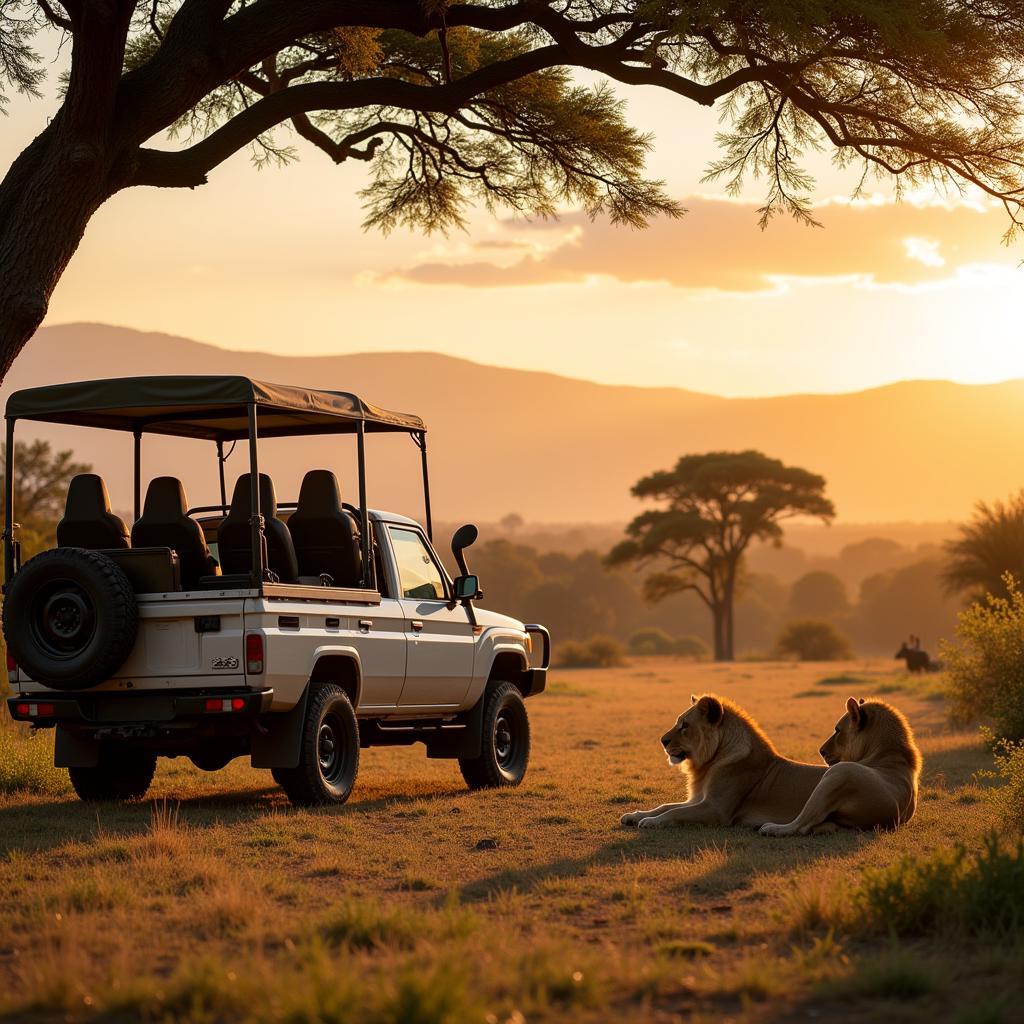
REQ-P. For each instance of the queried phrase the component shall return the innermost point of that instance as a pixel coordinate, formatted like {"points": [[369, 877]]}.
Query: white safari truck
{"points": [[290, 633]]}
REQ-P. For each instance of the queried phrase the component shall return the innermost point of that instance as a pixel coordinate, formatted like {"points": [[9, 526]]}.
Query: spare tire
{"points": [[70, 618]]}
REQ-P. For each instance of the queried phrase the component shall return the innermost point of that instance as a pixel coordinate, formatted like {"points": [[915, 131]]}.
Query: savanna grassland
{"points": [[215, 901]]}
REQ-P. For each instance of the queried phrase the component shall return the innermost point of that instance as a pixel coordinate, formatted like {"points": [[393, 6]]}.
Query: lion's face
{"points": [[849, 742], [696, 734]]}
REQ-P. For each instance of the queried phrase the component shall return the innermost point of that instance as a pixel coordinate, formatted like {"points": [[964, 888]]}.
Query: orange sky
{"points": [[276, 260]]}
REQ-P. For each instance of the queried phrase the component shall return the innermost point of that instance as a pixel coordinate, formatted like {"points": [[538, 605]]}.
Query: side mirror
{"points": [[464, 537], [466, 588]]}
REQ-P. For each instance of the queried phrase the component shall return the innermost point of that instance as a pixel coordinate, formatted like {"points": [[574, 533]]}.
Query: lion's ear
{"points": [[856, 711], [693, 698], [711, 708]]}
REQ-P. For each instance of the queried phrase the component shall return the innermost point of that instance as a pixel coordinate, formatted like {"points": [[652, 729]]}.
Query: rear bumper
{"points": [[142, 708]]}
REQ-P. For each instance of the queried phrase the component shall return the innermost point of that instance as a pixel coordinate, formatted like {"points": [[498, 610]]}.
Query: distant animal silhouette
{"points": [[917, 660]]}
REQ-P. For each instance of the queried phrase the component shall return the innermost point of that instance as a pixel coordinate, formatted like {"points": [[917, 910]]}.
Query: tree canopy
{"points": [[713, 506], [987, 547], [451, 103]]}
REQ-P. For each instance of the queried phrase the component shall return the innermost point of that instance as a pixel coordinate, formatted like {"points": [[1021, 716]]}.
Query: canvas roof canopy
{"points": [[213, 408]]}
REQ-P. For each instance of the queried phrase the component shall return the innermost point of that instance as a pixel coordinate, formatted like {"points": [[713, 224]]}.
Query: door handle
{"points": [[365, 624], [416, 625]]}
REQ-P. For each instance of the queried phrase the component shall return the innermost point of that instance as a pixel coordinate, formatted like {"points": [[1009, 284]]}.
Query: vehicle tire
{"points": [[328, 752], [505, 752], [70, 618], [123, 773]]}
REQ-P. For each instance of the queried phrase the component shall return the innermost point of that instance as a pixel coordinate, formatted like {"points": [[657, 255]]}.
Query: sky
{"points": [[276, 260]]}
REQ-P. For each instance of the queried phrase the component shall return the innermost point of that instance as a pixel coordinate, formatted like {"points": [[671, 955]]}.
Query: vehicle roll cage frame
{"points": [[306, 413]]}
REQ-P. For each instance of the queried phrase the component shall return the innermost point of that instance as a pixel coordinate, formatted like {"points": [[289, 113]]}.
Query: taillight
{"points": [[22, 709], [254, 652], [44, 709], [217, 705]]}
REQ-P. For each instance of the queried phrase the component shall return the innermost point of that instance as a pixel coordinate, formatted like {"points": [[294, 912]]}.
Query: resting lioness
{"points": [[874, 767], [736, 776]]}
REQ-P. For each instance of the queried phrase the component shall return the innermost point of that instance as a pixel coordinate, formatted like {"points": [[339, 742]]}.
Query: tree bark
{"points": [[46, 201]]}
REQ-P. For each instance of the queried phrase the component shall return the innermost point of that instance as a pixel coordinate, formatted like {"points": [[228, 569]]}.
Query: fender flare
{"points": [[277, 745]]}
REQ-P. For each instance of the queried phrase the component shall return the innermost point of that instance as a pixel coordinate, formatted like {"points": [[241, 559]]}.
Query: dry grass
{"points": [[218, 902]]}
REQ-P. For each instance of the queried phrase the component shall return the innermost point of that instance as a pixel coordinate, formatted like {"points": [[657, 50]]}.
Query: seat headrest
{"points": [[165, 499], [240, 498], [320, 493], [87, 498]]}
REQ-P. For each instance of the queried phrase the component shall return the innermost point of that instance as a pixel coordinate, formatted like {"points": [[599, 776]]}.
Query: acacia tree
{"points": [[714, 506], [450, 102]]}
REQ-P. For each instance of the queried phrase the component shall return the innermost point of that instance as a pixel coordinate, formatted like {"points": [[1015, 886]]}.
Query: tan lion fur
{"points": [[734, 773], [873, 775]]}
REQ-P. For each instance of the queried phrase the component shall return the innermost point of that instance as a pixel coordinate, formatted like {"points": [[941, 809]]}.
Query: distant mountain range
{"points": [[555, 449]]}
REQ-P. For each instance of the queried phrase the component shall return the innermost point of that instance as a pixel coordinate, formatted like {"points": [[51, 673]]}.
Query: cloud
{"points": [[717, 246]]}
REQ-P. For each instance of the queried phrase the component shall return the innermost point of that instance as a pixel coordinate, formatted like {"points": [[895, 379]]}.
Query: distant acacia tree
{"points": [[452, 102], [40, 488], [990, 545], [713, 506]]}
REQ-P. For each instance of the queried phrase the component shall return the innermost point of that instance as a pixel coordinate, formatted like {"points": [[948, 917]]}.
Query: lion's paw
{"points": [[649, 823], [770, 829], [631, 818]]}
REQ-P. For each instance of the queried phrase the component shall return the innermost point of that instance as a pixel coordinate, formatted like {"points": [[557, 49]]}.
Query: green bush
{"points": [[812, 640], [985, 667], [657, 641], [597, 652], [651, 641], [1008, 798], [26, 761], [952, 891], [690, 647]]}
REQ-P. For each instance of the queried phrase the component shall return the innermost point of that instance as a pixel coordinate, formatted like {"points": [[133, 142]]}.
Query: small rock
{"points": [[487, 844], [456, 810]]}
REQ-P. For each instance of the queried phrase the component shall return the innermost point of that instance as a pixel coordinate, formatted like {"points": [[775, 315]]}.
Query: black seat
{"points": [[165, 524], [88, 521], [234, 535], [325, 535]]}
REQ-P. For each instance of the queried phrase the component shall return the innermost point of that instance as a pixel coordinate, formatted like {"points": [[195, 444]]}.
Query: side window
{"points": [[418, 574]]}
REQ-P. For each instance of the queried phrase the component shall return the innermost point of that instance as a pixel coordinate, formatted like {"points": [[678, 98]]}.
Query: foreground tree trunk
{"points": [[46, 201]]}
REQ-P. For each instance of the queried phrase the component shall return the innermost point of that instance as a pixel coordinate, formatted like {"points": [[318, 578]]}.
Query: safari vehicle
{"points": [[226, 631]]}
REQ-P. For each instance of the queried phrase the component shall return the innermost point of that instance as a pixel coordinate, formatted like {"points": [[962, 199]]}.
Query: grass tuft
{"points": [[26, 762]]}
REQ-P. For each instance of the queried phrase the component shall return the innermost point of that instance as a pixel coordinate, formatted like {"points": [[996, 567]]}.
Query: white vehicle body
{"points": [[145, 645]]}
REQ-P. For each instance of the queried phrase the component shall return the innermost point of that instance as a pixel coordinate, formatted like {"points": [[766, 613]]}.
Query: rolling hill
{"points": [[556, 449]]}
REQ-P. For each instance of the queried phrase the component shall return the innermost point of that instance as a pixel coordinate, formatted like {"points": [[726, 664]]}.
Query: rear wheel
{"points": [[122, 773], [505, 751], [329, 751]]}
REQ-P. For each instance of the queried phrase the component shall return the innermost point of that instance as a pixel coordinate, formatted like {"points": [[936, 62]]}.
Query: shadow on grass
{"points": [[740, 853], [41, 826]]}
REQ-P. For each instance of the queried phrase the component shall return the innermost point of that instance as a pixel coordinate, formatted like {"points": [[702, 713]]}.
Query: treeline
{"points": [[578, 597]]}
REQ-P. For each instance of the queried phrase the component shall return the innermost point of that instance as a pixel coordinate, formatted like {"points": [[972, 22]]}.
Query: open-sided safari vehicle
{"points": [[292, 634]]}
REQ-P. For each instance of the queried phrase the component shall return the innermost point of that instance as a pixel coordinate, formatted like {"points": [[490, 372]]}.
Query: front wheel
{"points": [[120, 774], [505, 750], [329, 752]]}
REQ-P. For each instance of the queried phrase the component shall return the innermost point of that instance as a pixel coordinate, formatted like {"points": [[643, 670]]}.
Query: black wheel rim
{"points": [[63, 618], [330, 750], [509, 742]]}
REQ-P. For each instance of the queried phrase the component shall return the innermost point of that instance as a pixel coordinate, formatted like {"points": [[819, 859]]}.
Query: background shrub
{"points": [[985, 667], [651, 641], [1008, 797], [812, 640], [657, 641], [690, 647], [597, 652]]}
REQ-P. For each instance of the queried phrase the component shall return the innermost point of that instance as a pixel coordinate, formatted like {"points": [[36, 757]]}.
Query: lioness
{"points": [[874, 767], [736, 776]]}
